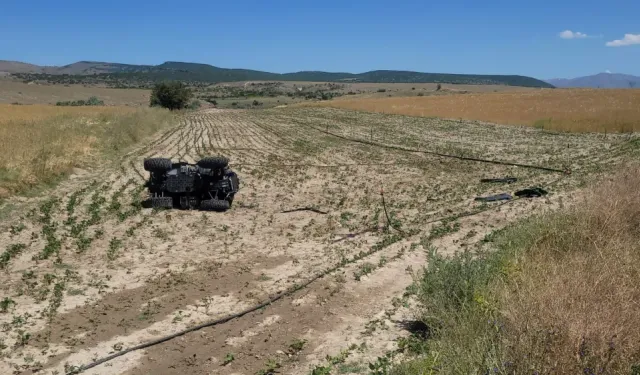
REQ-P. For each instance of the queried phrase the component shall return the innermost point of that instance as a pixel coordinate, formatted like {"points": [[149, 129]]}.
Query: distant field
{"points": [[280, 93], [36, 112], [23, 93], [554, 109], [12, 91]]}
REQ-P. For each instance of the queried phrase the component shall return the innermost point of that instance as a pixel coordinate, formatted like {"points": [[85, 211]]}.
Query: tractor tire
{"points": [[215, 205], [213, 162], [157, 164], [161, 202]]}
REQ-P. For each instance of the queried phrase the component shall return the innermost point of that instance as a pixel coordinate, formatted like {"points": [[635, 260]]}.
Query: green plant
{"points": [[6, 303], [11, 252], [17, 228], [114, 245], [363, 270], [56, 299], [172, 95], [382, 365], [296, 346], [321, 370], [269, 368], [22, 338], [228, 359]]}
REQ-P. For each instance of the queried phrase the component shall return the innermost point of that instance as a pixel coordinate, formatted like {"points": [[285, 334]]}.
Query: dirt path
{"points": [[91, 272]]}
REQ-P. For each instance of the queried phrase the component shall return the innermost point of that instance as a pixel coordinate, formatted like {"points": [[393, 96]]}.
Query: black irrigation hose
{"points": [[200, 326], [271, 300], [398, 148], [312, 209], [318, 165]]}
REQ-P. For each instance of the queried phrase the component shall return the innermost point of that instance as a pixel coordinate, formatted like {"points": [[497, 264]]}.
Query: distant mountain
{"points": [[78, 68], [601, 80], [19, 67], [194, 72]]}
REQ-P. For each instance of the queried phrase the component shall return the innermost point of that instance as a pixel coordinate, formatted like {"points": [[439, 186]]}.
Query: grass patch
{"points": [[557, 294]]}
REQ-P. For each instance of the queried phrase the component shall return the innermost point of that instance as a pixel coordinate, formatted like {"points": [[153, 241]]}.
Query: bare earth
{"points": [[146, 274]]}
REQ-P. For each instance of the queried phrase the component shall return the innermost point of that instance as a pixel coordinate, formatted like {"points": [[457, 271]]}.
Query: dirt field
{"points": [[18, 92], [554, 109], [88, 272]]}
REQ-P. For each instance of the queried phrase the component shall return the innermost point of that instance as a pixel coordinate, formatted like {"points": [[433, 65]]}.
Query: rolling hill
{"points": [[601, 80], [194, 72]]}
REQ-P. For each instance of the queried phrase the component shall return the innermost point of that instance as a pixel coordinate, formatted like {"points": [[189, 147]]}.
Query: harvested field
{"points": [[572, 110], [25, 93], [87, 271]]}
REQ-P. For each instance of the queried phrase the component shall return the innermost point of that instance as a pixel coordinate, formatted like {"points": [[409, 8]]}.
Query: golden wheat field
{"points": [[40, 142], [573, 110]]}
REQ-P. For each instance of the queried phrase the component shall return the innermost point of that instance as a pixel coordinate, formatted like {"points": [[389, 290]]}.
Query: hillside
{"points": [[19, 67], [601, 80], [119, 74]]}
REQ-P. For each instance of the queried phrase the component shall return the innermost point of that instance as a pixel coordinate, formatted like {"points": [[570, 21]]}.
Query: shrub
{"points": [[171, 95], [195, 104], [94, 101], [77, 103]]}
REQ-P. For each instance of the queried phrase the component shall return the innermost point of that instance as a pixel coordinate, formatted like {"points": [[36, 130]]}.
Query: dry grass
{"points": [[37, 112], [575, 305], [574, 110], [557, 294], [39, 143]]}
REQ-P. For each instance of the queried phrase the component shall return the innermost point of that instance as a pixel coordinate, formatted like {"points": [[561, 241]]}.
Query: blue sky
{"points": [[484, 37]]}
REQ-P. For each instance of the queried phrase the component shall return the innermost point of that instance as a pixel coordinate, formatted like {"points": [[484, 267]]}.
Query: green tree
{"points": [[172, 95]]}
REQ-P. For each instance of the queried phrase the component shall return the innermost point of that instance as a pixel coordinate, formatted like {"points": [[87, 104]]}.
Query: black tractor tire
{"points": [[157, 164], [215, 205], [161, 202], [213, 162]]}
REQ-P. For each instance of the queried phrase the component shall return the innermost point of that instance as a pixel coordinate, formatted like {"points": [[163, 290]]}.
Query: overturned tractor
{"points": [[208, 185]]}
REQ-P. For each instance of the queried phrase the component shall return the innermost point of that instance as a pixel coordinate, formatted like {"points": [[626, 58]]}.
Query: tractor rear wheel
{"points": [[215, 205], [157, 164], [213, 162]]}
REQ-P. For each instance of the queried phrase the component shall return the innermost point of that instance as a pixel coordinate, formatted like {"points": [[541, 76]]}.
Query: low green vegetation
{"points": [[556, 294], [76, 103]]}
